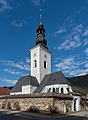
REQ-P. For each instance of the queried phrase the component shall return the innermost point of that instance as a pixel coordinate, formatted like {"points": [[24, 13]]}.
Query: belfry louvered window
{"points": [[45, 64]]}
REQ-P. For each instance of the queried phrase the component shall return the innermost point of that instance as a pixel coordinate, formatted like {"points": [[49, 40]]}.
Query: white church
{"points": [[41, 79]]}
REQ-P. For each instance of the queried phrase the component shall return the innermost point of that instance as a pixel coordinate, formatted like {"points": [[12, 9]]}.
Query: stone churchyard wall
{"points": [[43, 102], [84, 103], [63, 105]]}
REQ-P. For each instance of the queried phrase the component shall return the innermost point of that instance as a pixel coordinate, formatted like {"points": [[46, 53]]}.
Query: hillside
{"points": [[79, 84]]}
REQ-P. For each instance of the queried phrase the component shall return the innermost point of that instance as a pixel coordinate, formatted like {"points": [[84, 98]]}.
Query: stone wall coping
{"points": [[84, 97], [75, 93], [38, 95]]}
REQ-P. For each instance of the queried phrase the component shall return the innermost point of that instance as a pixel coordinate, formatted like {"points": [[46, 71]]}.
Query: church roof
{"points": [[52, 79], [26, 80]]}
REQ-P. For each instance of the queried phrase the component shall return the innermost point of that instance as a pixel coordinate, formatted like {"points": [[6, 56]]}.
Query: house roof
{"points": [[51, 79], [26, 80], [4, 91]]}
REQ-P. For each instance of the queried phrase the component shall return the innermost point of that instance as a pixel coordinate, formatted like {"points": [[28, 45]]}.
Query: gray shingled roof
{"points": [[26, 80], [51, 79]]}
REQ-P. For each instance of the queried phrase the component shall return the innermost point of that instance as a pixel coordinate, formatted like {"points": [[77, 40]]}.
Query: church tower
{"points": [[40, 55]]}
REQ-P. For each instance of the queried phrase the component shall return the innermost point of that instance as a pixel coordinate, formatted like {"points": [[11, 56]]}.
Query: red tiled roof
{"points": [[4, 91]]}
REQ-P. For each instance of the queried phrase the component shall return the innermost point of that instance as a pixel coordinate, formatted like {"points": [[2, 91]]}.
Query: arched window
{"points": [[49, 90], [57, 90], [53, 89], [62, 90], [45, 64], [35, 63], [68, 89]]}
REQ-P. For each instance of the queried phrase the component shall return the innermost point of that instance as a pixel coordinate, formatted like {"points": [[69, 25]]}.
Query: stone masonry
{"points": [[43, 102]]}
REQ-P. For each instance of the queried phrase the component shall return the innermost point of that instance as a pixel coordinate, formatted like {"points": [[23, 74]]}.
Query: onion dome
{"points": [[41, 34]]}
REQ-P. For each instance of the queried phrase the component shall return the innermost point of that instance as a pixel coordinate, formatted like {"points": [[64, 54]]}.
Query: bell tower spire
{"points": [[40, 54], [41, 34]]}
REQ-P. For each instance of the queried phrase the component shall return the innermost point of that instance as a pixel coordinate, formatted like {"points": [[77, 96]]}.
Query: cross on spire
{"points": [[40, 16]]}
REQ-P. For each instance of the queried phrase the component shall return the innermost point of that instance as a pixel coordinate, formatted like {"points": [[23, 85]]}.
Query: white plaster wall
{"points": [[44, 71], [32, 89], [64, 86], [39, 72], [26, 89], [16, 93], [35, 71]]}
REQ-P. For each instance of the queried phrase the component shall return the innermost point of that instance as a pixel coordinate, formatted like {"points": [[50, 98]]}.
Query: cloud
{"points": [[71, 37], [86, 51], [10, 81], [85, 42], [72, 34], [86, 65], [85, 33], [70, 43], [62, 30], [68, 18], [78, 72], [18, 23], [79, 11], [72, 66], [37, 2], [19, 65], [66, 64], [13, 72], [27, 60], [4, 6], [77, 28], [75, 36]]}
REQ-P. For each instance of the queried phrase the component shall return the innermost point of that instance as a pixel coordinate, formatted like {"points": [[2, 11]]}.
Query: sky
{"points": [[66, 25]]}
